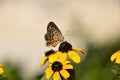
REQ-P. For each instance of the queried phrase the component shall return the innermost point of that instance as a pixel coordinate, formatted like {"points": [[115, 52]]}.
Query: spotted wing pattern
{"points": [[53, 36]]}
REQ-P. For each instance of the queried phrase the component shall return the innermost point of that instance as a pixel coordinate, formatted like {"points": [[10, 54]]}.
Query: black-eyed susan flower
{"points": [[58, 68], [1, 69], [116, 57], [65, 49], [47, 55]]}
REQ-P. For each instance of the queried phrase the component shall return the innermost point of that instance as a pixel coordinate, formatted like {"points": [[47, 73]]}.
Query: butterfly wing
{"points": [[53, 35]]}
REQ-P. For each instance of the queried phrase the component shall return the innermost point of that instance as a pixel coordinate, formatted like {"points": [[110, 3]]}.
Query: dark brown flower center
{"points": [[56, 66], [49, 52], [65, 47]]}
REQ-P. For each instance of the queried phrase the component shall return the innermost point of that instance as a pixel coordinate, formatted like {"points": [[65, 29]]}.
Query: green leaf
{"points": [[44, 78], [72, 74], [4, 78]]}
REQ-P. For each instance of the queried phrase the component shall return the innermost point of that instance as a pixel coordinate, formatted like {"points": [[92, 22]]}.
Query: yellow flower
{"points": [[47, 55], [1, 69], [58, 69], [65, 49], [116, 57]]}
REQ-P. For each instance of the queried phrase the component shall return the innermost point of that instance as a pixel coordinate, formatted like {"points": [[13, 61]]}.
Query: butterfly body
{"points": [[53, 36]]}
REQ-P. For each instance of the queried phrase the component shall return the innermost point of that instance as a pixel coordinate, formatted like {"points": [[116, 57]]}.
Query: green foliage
{"points": [[97, 65], [4, 78], [44, 78], [12, 72]]}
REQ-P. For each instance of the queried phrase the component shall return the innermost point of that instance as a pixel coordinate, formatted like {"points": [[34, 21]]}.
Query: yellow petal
{"points": [[66, 62], [43, 60], [80, 49], [48, 72], [65, 73], [1, 65], [115, 55], [68, 66], [1, 70], [74, 56], [56, 76], [118, 60], [62, 57], [54, 57]]}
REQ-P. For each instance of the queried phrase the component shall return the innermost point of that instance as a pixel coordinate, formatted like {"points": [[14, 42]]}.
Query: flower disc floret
{"points": [[65, 47], [56, 66], [49, 52]]}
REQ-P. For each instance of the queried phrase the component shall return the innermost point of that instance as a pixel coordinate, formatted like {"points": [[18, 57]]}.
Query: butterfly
{"points": [[53, 36]]}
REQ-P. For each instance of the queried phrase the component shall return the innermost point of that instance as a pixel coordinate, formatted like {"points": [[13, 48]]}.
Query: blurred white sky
{"points": [[23, 25]]}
